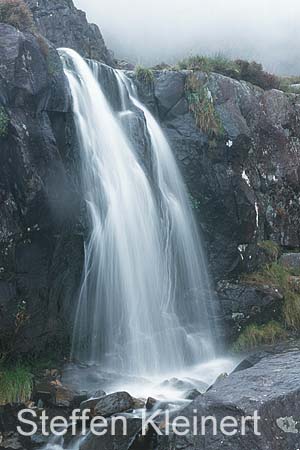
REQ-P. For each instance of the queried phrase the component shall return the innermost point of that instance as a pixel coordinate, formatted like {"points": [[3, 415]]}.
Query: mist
{"points": [[158, 31]]}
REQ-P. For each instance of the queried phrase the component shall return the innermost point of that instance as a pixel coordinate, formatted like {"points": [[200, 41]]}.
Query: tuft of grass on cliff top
{"points": [[239, 69], [144, 74], [17, 14]]}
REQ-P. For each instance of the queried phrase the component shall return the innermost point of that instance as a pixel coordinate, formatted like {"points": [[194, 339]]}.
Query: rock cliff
{"points": [[66, 26], [241, 162], [238, 147], [41, 247]]}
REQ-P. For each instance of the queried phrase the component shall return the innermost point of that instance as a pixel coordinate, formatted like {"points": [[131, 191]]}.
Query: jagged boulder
{"points": [[114, 403], [270, 387], [66, 26]]}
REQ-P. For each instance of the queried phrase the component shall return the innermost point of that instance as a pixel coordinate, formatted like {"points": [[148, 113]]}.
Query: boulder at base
{"points": [[113, 404], [271, 387]]}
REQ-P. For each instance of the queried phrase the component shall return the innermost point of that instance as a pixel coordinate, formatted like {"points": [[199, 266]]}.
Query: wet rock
{"points": [[91, 403], [9, 418], [270, 387], [138, 403], [99, 393], [117, 442], [192, 394], [65, 397], [291, 261], [11, 441], [169, 90], [184, 384], [44, 392], [114, 403], [151, 403], [53, 393], [220, 378]]}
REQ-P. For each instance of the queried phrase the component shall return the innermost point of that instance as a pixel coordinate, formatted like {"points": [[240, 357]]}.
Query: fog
{"points": [[149, 32]]}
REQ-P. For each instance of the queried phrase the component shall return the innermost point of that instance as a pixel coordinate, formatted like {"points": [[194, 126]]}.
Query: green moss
{"points": [[195, 203], [202, 106], [286, 84], [271, 248], [16, 385], [17, 14], [4, 122], [291, 309], [144, 75], [256, 335], [280, 277]]}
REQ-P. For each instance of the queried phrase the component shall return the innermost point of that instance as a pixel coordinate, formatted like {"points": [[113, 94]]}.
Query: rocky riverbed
{"points": [[266, 382]]}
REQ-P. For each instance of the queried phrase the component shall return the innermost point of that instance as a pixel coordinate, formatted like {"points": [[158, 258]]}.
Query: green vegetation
{"points": [[256, 335], [286, 84], [239, 69], [202, 106], [16, 385], [280, 278], [4, 122], [271, 248], [17, 14], [144, 75], [286, 281], [218, 64]]}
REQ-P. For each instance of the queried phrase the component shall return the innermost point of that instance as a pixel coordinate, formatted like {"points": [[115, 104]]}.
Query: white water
{"points": [[145, 301]]}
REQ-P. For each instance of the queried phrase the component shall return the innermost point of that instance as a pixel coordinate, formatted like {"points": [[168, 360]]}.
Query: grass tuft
{"points": [[290, 84], [271, 248], [144, 75], [281, 278], [201, 104], [17, 14], [16, 385], [256, 335], [219, 64], [239, 69]]}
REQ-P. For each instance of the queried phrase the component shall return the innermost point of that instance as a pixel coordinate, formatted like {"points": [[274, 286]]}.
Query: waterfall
{"points": [[145, 304]]}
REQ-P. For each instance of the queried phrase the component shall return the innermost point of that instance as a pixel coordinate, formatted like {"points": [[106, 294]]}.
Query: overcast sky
{"points": [[153, 31]]}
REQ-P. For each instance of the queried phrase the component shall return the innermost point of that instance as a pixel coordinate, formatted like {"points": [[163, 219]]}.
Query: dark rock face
{"points": [[243, 304], [41, 244], [66, 26], [244, 184], [270, 387]]}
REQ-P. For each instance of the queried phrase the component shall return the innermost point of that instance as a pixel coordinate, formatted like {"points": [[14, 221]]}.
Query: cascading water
{"points": [[145, 304]]}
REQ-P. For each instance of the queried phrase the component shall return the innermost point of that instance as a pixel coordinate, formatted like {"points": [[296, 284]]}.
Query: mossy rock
{"points": [[4, 122]]}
